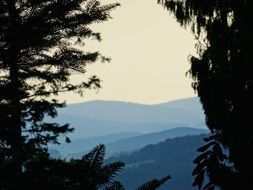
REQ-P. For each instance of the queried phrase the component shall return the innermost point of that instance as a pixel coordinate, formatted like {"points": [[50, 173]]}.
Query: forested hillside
{"points": [[122, 142], [173, 157]]}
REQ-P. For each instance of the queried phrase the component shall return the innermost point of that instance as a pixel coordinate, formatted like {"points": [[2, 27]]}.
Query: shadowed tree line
{"points": [[41, 47], [45, 173], [222, 75], [89, 172], [37, 58]]}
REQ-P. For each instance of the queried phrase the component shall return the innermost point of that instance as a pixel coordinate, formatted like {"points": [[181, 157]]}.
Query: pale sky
{"points": [[149, 52]]}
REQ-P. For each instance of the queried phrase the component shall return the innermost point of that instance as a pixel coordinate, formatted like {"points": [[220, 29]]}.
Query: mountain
{"points": [[189, 104], [86, 144], [96, 118], [79, 147], [171, 157], [137, 142], [134, 113], [86, 127]]}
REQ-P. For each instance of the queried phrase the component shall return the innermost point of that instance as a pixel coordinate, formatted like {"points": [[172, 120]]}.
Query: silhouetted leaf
{"points": [[153, 184], [199, 179], [200, 167], [200, 157], [218, 151], [205, 147]]}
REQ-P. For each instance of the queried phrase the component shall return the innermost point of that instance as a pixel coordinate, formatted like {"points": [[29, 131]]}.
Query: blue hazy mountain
{"points": [[86, 144], [86, 127], [96, 118], [117, 143], [138, 113], [172, 157], [137, 142], [119, 124], [189, 104]]}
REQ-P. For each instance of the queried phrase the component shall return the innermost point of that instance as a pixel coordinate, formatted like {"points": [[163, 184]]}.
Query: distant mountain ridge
{"points": [[190, 104], [86, 144], [118, 124], [125, 142], [137, 142], [171, 157], [96, 118], [136, 113]]}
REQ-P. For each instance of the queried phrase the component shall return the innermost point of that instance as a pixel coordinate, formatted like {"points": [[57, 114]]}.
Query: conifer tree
{"points": [[89, 173], [38, 54], [222, 76], [154, 183]]}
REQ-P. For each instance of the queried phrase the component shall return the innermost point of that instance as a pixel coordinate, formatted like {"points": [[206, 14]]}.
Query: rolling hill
{"points": [[86, 144], [171, 157], [97, 118], [123, 142], [134, 143]]}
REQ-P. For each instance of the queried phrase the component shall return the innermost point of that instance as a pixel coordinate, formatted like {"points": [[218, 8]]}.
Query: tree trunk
{"points": [[15, 102]]}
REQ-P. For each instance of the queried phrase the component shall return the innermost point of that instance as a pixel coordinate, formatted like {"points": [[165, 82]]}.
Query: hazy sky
{"points": [[149, 52]]}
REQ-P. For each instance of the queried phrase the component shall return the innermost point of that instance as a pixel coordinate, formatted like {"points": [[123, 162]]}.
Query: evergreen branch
{"points": [[154, 184]]}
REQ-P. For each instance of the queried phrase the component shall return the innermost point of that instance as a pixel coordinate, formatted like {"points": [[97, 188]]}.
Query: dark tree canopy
{"points": [[153, 184], [38, 54], [223, 77], [89, 173]]}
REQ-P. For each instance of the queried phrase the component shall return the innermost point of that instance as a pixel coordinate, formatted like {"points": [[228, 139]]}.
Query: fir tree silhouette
{"points": [[37, 58], [222, 76]]}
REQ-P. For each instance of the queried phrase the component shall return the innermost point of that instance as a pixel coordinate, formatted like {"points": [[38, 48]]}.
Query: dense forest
{"points": [[119, 143], [222, 77], [39, 52], [173, 156]]}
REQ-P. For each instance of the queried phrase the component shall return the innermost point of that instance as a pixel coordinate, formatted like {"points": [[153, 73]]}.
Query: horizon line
{"points": [[131, 102]]}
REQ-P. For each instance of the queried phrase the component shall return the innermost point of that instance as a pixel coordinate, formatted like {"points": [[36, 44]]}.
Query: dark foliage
{"points": [[40, 49], [223, 78], [154, 184], [115, 186], [87, 173], [38, 53]]}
